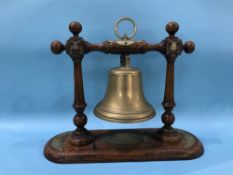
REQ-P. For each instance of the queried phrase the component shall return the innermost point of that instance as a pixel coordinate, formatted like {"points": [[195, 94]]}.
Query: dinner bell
{"points": [[124, 100]]}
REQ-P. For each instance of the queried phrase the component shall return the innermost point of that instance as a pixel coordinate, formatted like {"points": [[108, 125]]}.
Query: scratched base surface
{"points": [[123, 145]]}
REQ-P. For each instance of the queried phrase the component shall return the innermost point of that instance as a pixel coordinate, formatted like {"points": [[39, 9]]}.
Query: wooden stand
{"points": [[84, 146], [123, 145]]}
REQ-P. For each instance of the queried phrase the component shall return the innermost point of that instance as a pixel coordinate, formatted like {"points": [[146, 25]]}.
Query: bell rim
{"points": [[123, 120]]}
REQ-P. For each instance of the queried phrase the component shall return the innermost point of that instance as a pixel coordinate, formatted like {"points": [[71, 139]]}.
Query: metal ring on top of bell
{"points": [[124, 101]]}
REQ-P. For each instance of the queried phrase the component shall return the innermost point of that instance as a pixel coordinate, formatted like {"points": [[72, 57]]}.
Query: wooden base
{"points": [[123, 145]]}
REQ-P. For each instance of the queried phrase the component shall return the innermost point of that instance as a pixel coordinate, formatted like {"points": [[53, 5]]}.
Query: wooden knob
{"points": [[75, 28], [189, 46], [57, 47], [172, 28]]}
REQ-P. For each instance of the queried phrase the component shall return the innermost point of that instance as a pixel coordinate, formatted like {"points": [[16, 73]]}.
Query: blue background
{"points": [[36, 87]]}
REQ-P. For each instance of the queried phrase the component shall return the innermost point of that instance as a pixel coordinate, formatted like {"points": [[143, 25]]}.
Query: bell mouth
{"points": [[110, 116]]}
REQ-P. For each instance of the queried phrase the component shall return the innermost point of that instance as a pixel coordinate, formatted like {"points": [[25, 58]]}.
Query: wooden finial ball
{"points": [[56, 47], [75, 27], [172, 28], [189, 47]]}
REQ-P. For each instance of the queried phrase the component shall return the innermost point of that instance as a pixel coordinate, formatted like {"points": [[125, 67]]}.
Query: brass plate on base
{"points": [[123, 145]]}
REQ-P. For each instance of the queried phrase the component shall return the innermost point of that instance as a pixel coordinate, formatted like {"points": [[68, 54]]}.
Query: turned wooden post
{"points": [[76, 47], [172, 48], [168, 101]]}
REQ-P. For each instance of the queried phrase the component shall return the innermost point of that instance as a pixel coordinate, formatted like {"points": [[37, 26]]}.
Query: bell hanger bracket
{"points": [[120, 145]]}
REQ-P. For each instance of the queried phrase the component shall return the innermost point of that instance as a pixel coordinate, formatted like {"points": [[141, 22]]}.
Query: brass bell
{"points": [[124, 100]]}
